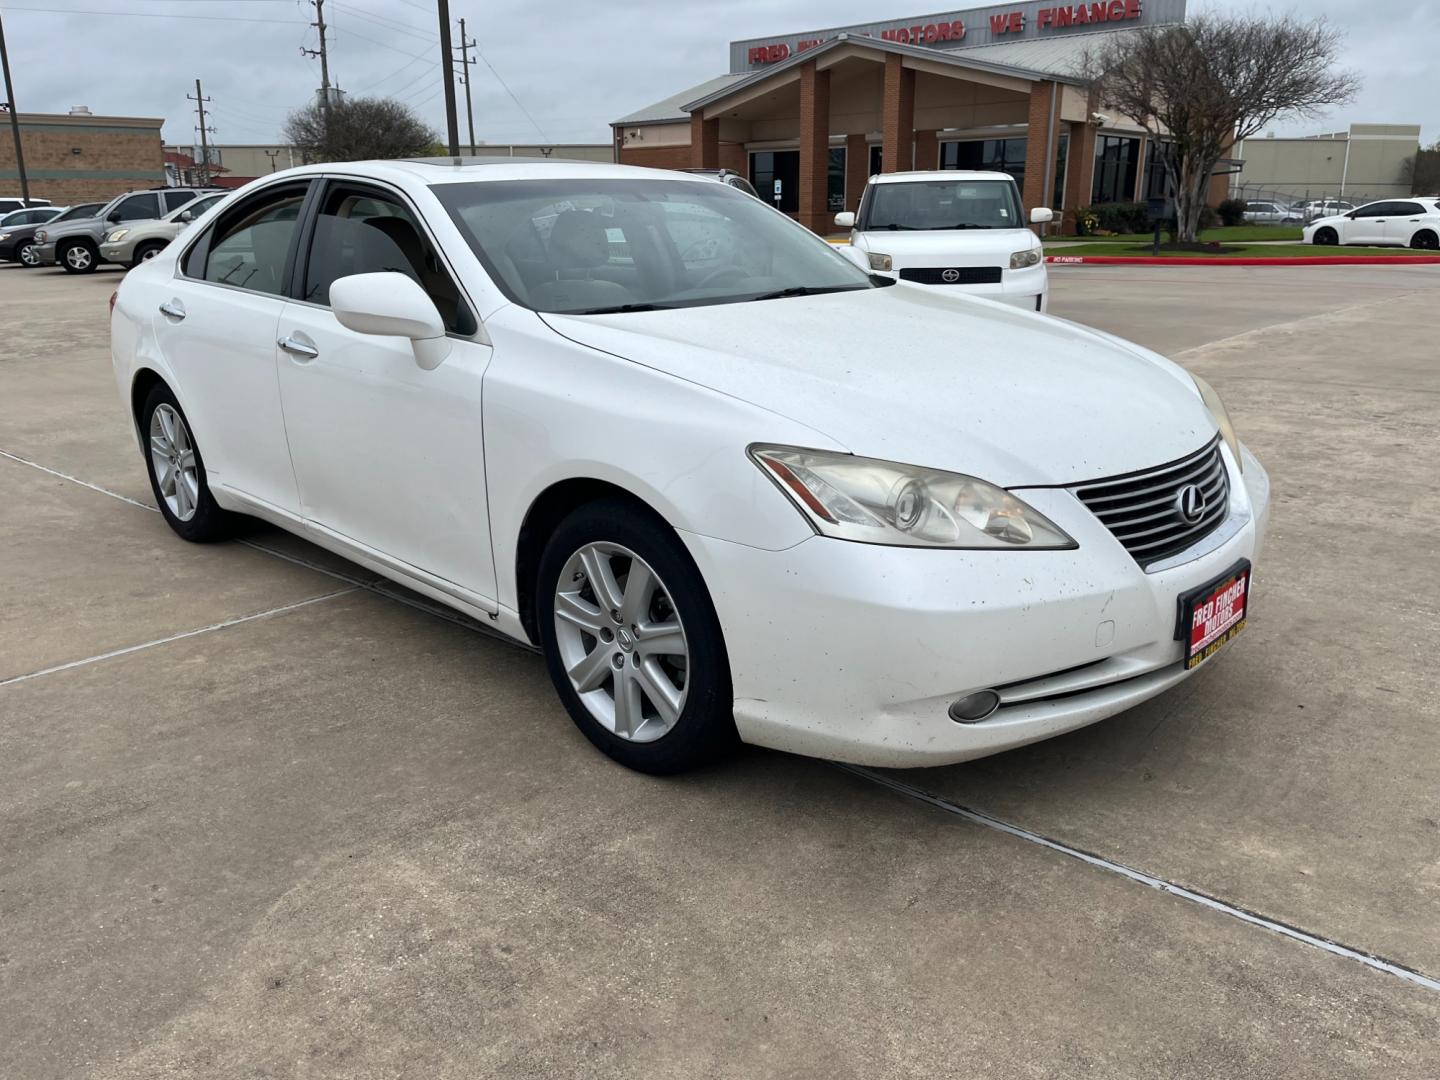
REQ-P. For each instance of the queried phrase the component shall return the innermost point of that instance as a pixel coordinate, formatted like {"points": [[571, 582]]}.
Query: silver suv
{"points": [[75, 245]]}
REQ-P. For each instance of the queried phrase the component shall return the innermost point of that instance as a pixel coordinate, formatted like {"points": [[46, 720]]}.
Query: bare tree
{"points": [[358, 129], [1201, 86]]}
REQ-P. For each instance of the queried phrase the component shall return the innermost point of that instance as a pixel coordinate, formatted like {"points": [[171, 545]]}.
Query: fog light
{"points": [[975, 707]]}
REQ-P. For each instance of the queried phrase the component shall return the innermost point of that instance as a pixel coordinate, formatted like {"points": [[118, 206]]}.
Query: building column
{"points": [[898, 124], [857, 169], [1080, 173], [814, 148], [704, 142], [1042, 141], [927, 150]]}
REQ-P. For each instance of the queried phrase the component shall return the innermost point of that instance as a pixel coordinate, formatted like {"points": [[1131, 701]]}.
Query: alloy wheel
{"points": [[621, 642], [28, 256], [172, 455], [78, 256]]}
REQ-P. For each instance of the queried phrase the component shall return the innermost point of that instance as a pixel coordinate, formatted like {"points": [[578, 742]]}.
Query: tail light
{"points": [[113, 295]]}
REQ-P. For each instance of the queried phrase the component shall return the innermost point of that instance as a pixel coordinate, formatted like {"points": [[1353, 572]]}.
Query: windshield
{"points": [[941, 204], [83, 211], [586, 246]]}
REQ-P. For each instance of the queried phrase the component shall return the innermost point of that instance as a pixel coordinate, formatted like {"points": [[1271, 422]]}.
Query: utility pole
{"points": [[14, 118], [465, 62], [272, 155], [324, 54], [200, 100], [447, 53]]}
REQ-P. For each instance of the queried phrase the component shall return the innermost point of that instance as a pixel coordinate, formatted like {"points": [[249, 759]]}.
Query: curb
{"points": [[1220, 260]]}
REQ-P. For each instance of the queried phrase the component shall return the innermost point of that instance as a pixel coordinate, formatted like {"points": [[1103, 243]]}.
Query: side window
{"points": [[175, 199], [1407, 209], [139, 208], [363, 231], [249, 246]]}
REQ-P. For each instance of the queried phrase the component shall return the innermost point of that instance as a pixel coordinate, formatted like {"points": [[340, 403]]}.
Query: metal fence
{"points": [[1307, 204]]}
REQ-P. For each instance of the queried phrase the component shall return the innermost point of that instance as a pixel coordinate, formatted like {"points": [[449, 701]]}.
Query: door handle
{"points": [[298, 346], [173, 309]]}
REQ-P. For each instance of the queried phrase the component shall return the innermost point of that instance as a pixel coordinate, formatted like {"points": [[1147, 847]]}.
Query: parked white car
{"points": [[1413, 223], [952, 231], [1319, 208], [730, 484]]}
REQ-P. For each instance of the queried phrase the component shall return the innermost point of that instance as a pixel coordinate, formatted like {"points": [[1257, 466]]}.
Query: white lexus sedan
{"points": [[954, 232], [731, 485], [1411, 223]]}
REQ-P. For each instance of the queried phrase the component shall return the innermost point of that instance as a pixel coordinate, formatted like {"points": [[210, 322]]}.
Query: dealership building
{"points": [[812, 115]]}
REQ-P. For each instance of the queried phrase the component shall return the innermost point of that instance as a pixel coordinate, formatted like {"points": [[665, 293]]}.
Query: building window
{"points": [[1062, 159], [1157, 183], [1117, 164], [989, 155], [768, 166], [876, 161], [835, 181]]}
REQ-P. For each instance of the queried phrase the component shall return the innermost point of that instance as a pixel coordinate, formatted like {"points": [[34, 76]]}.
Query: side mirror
{"points": [[185, 216], [845, 220], [1041, 216], [392, 305], [113, 217]]}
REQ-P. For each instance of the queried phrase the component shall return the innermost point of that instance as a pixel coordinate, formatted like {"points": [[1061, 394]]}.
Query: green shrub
{"points": [[1232, 212], [1119, 217]]}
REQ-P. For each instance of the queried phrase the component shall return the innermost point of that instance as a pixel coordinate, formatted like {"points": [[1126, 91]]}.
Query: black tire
{"points": [[705, 730], [77, 256], [26, 257], [146, 251], [1327, 237], [1425, 240], [209, 522]]}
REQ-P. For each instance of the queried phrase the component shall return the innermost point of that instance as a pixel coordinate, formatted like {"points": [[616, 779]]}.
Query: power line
{"points": [[384, 23], [513, 98], [151, 15]]}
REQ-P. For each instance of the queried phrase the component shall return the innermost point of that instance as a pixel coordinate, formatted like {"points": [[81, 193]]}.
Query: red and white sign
{"points": [[1216, 617]]}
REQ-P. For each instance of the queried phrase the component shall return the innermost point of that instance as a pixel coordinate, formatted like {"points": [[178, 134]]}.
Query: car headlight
{"points": [[118, 234], [882, 502], [1021, 259], [1222, 418], [4, 236], [41, 235], [881, 262]]}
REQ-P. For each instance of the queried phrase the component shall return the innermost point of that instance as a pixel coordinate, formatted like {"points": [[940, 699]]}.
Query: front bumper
{"points": [[120, 253], [1027, 289], [855, 652], [45, 253]]}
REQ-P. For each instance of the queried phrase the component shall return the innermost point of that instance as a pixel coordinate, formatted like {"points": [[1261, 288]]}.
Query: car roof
{"points": [[937, 174], [462, 170]]}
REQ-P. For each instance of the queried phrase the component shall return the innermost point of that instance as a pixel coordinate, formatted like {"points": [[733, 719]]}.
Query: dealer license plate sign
{"points": [[1213, 616]]}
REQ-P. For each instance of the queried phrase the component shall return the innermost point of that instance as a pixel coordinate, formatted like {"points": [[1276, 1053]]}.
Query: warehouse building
{"points": [[79, 157], [1365, 163], [808, 117]]}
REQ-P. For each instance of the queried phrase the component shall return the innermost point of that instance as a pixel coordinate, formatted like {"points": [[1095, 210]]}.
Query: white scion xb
{"points": [[953, 231], [730, 484]]}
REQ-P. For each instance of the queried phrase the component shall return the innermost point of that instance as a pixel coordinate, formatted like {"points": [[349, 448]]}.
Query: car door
{"points": [[216, 326], [141, 206], [1366, 225], [1404, 220], [388, 456]]}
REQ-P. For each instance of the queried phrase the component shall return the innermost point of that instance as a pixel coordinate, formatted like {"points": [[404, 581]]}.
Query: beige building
{"points": [[1363, 164], [80, 157]]}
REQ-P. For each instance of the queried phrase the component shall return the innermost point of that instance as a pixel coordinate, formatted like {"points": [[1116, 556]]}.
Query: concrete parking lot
{"points": [[265, 816]]}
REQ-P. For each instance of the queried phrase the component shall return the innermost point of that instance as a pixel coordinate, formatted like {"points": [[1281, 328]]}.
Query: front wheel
{"points": [[146, 252], [1327, 237], [79, 258], [632, 641], [177, 472], [28, 256]]}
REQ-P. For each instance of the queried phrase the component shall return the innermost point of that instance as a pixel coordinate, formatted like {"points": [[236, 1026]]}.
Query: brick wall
{"points": [[83, 159]]}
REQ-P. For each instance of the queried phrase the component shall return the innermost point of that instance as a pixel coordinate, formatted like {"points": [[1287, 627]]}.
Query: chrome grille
{"points": [[1143, 510]]}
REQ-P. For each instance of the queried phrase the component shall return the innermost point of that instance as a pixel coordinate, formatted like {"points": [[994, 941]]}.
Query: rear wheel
{"points": [[632, 641], [145, 252], [1425, 240], [177, 472], [78, 257], [1327, 237]]}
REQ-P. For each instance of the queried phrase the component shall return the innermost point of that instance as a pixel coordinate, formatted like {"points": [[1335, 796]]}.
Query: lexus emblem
{"points": [[1190, 503], [950, 276]]}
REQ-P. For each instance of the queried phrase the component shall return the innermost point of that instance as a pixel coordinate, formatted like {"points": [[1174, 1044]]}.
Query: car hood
{"points": [[1333, 219], [950, 382], [948, 247], [71, 227]]}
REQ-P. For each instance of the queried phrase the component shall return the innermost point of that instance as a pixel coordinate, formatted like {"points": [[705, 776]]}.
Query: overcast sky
{"points": [[572, 67]]}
